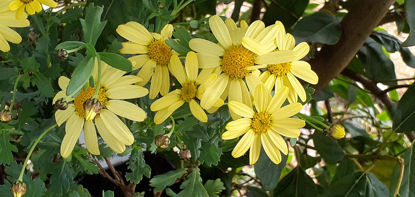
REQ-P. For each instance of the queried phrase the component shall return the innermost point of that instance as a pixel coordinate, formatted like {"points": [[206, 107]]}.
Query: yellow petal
{"points": [[254, 46], [208, 61], [4, 46], [204, 76], [270, 148], [162, 115], [116, 127], [127, 110], [30, 10], [165, 84], [192, 66], [165, 101], [246, 96], [91, 139], [289, 123], [236, 128], [36, 6], [252, 82], [62, 115], [301, 50], [167, 31], [206, 47], [276, 57], [63, 82], [197, 111], [20, 13], [287, 111], [243, 145], [270, 82], [111, 76], [255, 149], [146, 72], [235, 92], [299, 89], [73, 129], [288, 132], [125, 80], [213, 93], [156, 82], [10, 35], [241, 109], [138, 61], [133, 48], [262, 97], [14, 5], [127, 92], [59, 95], [278, 99], [112, 142], [135, 32], [254, 29], [176, 68], [278, 141], [303, 71], [219, 29], [175, 105], [49, 3]]}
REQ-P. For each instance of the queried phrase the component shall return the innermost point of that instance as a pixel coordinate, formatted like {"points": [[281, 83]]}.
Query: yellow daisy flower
{"points": [[286, 73], [190, 92], [234, 58], [8, 19], [154, 55], [264, 126], [85, 114], [30, 6]]}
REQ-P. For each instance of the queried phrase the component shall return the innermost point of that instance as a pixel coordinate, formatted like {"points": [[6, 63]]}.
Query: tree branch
{"points": [[256, 10], [356, 27]]}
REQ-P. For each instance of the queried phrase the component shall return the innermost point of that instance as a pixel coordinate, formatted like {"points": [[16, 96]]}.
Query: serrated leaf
{"points": [[214, 187], [267, 171], [327, 147], [410, 17], [138, 167], [70, 45], [92, 26], [116, 61], [6, 148], [160, 182], [80, 75], [211, 152], [85, 164], [193, 186], [318, 28], [44, 84]]}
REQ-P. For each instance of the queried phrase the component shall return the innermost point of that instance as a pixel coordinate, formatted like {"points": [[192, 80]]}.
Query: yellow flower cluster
{"points": [[13, 14], [243, 68]]}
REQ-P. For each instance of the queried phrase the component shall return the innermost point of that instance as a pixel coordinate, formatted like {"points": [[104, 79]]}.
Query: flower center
{"points": [[188, 91], [235, 60], [86, 95], [261, 122], [160, 52], [279, 69], [26, 1]]}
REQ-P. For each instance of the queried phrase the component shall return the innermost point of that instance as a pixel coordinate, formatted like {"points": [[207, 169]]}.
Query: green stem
{"points": [[98, 85], [32, 149], [15, 91], [172, 127], [310, 121]]}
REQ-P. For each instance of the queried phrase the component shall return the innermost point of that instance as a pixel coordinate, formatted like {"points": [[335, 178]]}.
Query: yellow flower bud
{"points": [[337, 131], [18, 189], [5, 116], [92, 108]]}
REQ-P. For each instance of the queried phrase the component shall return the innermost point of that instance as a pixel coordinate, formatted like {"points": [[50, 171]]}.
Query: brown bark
{"points": [[356, 27], [256, 10]]}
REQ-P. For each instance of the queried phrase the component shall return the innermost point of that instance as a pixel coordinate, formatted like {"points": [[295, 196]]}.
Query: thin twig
{"points": [[401, 173], [328, 107], [103, 172], [395, 87], [114, 171]]}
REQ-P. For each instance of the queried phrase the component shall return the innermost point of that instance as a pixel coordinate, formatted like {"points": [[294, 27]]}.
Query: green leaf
{"points": [[407, 187], [267, 171], [70, 45], [318, 28], [377, 64], [107, 194], [138, 167], [160, 182], [407, 57], [116, 61], [6, 148], [44, 84], [211, 151], [193, 186], [345, 168], [327, 147], [86, 166], [214, 187], [80, 75], [255, 192], [410, 17], [357, 184], [297, 183], [92, 26], [286, 11], [405, 112]]}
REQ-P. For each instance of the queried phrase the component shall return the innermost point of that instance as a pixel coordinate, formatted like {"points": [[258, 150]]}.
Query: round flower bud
{"points": [[162, 141], [92, 108], [5, 116], [18, 189], [185, 154], [337, 131]]}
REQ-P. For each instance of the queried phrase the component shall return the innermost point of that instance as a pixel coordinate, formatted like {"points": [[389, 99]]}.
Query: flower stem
{"points": [[172, 127], [32, 149], [98, 85], [15, 91]]}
